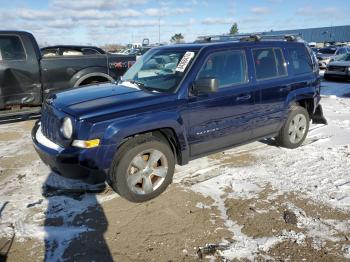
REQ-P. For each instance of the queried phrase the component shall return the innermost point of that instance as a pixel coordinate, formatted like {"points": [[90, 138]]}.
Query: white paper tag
{"points": [[181, 67]]}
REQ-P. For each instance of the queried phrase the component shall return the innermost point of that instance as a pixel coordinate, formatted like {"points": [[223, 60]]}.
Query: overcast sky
{"points": [[101, 22]]}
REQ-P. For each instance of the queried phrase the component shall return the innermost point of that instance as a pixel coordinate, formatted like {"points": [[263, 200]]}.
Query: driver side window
{"points": [[228, 67]]}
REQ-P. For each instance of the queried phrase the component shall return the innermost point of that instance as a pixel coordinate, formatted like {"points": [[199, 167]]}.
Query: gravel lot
{"points": [[259, 201]]}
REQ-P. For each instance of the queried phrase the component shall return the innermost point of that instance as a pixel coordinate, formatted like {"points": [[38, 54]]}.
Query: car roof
{"points": [[71, 46], [228, 44]]}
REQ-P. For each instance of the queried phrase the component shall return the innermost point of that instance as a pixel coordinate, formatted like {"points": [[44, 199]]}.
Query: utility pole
{"points": [[159, 30]]}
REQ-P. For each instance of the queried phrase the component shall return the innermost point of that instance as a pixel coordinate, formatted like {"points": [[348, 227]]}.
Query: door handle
{"points": [[245, 97], [285, 88]]}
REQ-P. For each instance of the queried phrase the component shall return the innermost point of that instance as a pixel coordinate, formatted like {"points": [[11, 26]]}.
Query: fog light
{"points": [[86, 143]]}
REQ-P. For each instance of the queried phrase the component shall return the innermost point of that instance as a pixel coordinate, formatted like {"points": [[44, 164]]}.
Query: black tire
{"points": [[118, 174], [283, 138], [327, 78]]}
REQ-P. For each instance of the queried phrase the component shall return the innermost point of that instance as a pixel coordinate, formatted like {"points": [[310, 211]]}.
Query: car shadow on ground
{"points": [[75, 222]]}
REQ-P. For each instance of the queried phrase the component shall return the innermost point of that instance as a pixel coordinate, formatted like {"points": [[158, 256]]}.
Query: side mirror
{"points": [[205, 85]]}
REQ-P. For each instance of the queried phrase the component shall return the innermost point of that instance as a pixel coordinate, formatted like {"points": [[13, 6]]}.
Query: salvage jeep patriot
{"points": [[178, 103]]}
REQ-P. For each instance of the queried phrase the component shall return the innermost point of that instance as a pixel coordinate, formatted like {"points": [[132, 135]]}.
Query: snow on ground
{"points": [[319, 170]]}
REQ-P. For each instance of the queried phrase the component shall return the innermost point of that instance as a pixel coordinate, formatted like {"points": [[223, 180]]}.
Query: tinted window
{"points": [[228, 67], [11, 48], [90, 51], [341, 51], [300, 60], [269, 63], [327, 51]]}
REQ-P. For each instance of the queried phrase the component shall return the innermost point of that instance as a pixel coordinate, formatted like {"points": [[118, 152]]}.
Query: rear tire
{"points": [[142, 168], [295, 129]]}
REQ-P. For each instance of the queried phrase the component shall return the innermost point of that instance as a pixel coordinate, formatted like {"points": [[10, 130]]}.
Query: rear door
{"points": [[272, 88], [19, 72], [222, 119]]}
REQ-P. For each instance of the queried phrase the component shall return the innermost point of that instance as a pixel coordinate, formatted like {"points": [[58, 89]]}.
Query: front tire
{"points": [[295, 129], [142, 168]]}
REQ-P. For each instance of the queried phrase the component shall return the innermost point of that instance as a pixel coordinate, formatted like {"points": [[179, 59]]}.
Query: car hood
{"points": [[96, 100], [340, 63]]}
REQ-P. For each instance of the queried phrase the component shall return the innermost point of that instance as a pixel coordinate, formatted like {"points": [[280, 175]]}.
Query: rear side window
{"points": [[229, 67], [11, 48], [300, 60], [269, 63], [90, 51]]}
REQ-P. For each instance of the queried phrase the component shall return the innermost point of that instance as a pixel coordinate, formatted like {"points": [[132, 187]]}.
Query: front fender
{"points": [[121, 129]]}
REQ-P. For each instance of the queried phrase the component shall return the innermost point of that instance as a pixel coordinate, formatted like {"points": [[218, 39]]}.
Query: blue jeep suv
{"points": [[178, 103]]}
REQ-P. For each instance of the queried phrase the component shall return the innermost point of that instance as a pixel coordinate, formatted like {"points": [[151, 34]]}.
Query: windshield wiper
{"points": [[138, 84]]}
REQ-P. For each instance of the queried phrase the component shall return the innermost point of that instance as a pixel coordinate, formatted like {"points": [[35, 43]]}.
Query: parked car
{"points": [[27, 76], [178, 103], [327, 54], [71, 50], [339, 68]]}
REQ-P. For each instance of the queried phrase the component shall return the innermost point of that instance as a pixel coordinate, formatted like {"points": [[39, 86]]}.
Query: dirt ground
{"points": [[169, 228]]}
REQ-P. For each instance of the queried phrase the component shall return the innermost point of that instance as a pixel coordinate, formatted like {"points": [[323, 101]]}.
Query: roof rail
{"points": [[248, 38]]}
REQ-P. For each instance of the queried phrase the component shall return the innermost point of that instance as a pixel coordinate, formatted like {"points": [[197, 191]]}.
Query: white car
{"points": [[328, 54]]}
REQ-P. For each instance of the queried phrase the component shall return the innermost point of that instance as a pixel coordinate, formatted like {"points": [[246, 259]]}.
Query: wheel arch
{"points": [[90, 72], [171, 131]]}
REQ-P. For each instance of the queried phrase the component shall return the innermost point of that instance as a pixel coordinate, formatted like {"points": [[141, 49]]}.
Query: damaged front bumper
{"points": [[68, 162]]}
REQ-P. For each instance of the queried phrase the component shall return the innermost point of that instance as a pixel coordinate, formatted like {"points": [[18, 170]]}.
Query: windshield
{"points": [[345, 57], [159, 69]]}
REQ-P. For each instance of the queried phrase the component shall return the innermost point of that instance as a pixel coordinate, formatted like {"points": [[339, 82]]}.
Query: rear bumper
{"points": [[68, 162]]}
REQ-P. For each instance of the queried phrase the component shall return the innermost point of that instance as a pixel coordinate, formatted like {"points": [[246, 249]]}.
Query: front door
{"points": [[221, 119], [19, 74]]}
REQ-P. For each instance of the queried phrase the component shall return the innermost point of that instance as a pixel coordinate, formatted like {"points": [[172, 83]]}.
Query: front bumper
{"points": [[70, 162], [338, 75]]}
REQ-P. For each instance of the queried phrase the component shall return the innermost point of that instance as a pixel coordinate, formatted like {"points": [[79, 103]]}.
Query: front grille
{"points": [[50, 124]]}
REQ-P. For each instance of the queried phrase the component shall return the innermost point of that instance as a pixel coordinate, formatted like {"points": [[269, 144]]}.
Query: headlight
{"points": [[67, 128], [349, 69]]}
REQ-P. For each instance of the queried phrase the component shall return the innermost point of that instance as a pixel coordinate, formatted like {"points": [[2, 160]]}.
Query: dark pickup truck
{"points": [[26, 76], [178, 103]]}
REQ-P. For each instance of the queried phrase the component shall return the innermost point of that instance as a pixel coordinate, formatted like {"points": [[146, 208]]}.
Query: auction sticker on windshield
{"points": [[181, 67]]}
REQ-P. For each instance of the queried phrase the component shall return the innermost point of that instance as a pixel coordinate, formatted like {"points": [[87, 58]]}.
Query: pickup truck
{"points": [[178, 103], [27, 77]]}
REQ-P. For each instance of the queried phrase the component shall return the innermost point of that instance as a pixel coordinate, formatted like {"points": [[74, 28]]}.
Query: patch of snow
{"points": [[319, 170]]}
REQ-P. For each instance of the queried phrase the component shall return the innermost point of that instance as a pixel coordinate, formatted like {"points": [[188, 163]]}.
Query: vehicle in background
{"points": [[27, 76], [178, 103], [70, 50], [134, 45], [339, 68], [327, 54], [315, 50]]}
